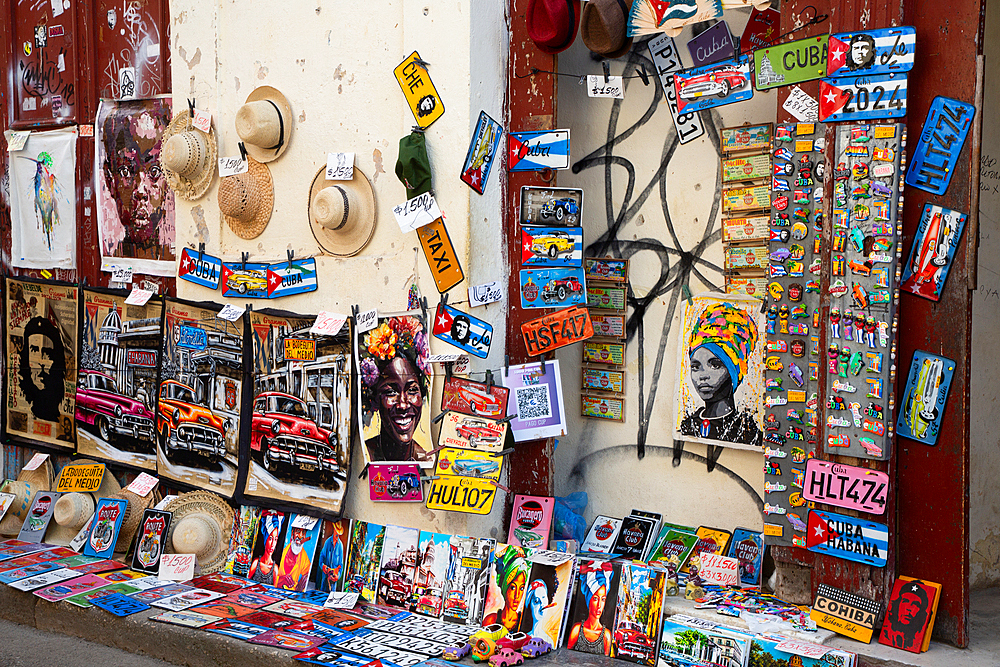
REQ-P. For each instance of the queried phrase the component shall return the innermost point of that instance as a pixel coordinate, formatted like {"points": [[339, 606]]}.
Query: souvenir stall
{"points": [[382, 365]]}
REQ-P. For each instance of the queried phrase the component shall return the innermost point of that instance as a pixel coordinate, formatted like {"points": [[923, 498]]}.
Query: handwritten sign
{"points": [[176, 567], [327, 324], [806, 650], [366, 320], [202, 120], [598, 87], [720, 570], [480, 295], [36, 460], [139, 296], [16, 140], [231, 166], [231, 313], [338, 600], [442, 358], [339, 166], [417, 212], [121, 274], [143, 484], [801, 105], [82, 478]]}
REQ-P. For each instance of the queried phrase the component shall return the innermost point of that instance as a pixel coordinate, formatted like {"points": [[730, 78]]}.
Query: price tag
{"points": [[150, 286], [16, 139], [231, 313], [338, 600], [806, 650], [461, 366], [596, 86], [480, 295], [138, 296], [86, 130], [230, 166], [339, 166], [801, 105], [36, 460], [304, 522], [417, 212], [176, 567], [143, 484], [202, 120], [721, 570], [327, 324], [367, 320], [442, 358], [121, 274]]}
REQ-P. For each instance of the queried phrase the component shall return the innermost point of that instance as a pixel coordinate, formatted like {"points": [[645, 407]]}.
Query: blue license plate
{"points": [[199, 268], [940, 143], [871, 51], [862, 97]]}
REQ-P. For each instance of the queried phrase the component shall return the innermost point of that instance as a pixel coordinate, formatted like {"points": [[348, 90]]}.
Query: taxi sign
{"points": [[561, 328], [82, 478], [419, 90], [300, 349], [847, 486], [440, 255], [847, 537], [461, 494]]}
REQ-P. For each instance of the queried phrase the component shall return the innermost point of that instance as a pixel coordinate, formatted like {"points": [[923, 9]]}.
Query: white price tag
{"points": [[202, 120], [480, 295], [138, 296], [596, 86], [339, 166], [367, 320], [338, 600], [16, 139], [121, 274], [461, 366], [327, 324], [143, 484], [231, 313], [36, 460], [176, 567], [442, 358], [230, 166], [720, 570], [801, 105], [150, 286], [417, 212], [304, 522]]}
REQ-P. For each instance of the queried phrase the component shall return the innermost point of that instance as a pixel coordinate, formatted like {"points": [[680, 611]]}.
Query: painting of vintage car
{"points": [[185, 425], [552, 244], [470, 467], [477, 432], [559, 208], [720, 82], [101, 406], [247, 281], [283, 433]]}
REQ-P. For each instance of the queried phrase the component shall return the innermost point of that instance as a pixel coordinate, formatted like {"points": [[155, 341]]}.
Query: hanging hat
{"points": [[188, 157], [264, 123], [201, 525], [413, 168], [604, 27], [24, 488], [342, 213], [247, 200], [133, 516], [552, 24], [73, 510]]}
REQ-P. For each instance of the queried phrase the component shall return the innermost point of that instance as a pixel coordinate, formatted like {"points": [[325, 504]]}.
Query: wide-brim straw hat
{"points": [[73, 510], [264, 123], [604, 27], [188, 157], [133, 516], [342, 213], [24, 488], [202, 523], [247, 200]]}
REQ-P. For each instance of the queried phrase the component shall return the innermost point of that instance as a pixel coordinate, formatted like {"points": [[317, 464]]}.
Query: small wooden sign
{"points": [[608, 408], [604, 379], [604, 353], [846, 613], [561, 328], [609, 269], [606, 298]]}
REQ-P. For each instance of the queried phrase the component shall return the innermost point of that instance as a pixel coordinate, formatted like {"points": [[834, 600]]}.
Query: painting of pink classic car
{"points": [[185, 425], [283, 433], [101, 406]]}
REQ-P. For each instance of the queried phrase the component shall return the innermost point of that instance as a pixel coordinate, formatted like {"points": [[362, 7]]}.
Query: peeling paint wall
{"points": [[334, 62], [657, 204]]}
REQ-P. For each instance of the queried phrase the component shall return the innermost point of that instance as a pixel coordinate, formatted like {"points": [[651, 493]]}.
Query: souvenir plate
{"points": [[394, 482], [461, 494], [468, 463], [791, 62], [419, 90], [288, 278], [871, 51], [552, 287], [561, 328], [845, 613], [551, 246], [940, 144], [463, 330], [482, 153], [925, 397], [663, 51], [551, 206], [200, 268], [440, 255], [862, 97], [537, 151], [714, 85], [245, 280], [933, 251], [474, 398]]}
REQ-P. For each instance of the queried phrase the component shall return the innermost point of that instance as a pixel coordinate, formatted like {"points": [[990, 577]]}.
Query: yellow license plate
{"points": [[419, 90], [461, 494]]}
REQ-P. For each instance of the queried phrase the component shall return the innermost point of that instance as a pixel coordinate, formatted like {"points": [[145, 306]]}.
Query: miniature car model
{"points": [[559, 208], [473, 467], [455, 652], [183, 424], [506, 657], [535, 647], [718, 82], [513, 641], [477, 432], [483, 642], [552, 244], [101, 404], [282, 432], [245, 281], [393, 587]]}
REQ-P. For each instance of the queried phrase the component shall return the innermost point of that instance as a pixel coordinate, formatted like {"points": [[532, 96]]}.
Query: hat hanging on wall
{"points": [[604, 27], [552, 24], [246, 200], [73, 510], [201, 525], [413, 168], [264, 123], [24, 488], [188, 157], [342, 213]]}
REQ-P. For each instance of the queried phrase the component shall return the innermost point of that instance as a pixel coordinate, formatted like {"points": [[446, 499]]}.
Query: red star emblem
{"points": [[836, 55], [831, 100], [442, 323]]}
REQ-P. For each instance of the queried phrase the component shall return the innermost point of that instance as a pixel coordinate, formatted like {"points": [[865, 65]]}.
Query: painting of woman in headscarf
{"points": [[505, 599], [597, 591], [720, 393], [395, 389]]}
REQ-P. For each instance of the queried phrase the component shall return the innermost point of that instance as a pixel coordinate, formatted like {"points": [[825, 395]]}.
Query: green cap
{"points": [[413, 168]]}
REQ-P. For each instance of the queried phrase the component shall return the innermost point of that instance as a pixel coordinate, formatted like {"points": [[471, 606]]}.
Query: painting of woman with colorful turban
{"points": [[720, 397], [395, 385], [505, 600], [597, 582]]}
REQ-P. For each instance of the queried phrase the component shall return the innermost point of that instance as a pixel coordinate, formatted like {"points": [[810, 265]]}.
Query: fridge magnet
{"points": [[748, 198], [465, 586], [482, 153], [41, 343], [551, 207], [721, 371], [925, 398], [846, 613], [199, 399], [474, 398], [747, 168], [300, 430], [530, 522], [150, 541], [559, 329], [117, 378], [395, 380], [108, 517], [537, 404], [462, 330], [715, 85], [538, 151], [552, 287], [394, 482], [936, 153], [551, 246], [606, 269], [909, 617], [419, 91], [933, 251]]}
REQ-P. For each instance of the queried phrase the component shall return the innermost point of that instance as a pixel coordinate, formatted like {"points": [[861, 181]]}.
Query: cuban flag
{"points": [[285, 280], [537, 151]]}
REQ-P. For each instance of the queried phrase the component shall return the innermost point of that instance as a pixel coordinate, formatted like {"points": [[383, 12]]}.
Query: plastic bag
{"points": [[569, 523]]}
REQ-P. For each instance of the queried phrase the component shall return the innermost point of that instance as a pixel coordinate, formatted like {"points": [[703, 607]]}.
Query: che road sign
{"points": [[419, 90], [462, 330], [871, 51]]}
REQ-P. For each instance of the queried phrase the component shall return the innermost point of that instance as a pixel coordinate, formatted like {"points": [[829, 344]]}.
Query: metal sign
{"points": [[932, 251], [462, 330], [598, 352], [791, 62], [551, 246], [419, 90], [604, 379], [552, 287], [846, 486], [846, 613], [199, 268], [300, 349], [746, 138], [536, 151], [244, 280], [847, 537], [83, 478], [461, 494], [394, 482], [561, 328], [288, 278], [666, 60], [608, 408], [940, 143], [482, 153], [862, 97], [440, 255], [607, 269], [871, 51], [712, 45], [607, 298], [714, 85], [925, 397]]}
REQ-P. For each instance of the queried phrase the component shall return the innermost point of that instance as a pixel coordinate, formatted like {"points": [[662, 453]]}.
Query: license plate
{"points": [[714, 85], [461, 494], [846, 486], [847, 537], [440, 255], [537, 151], [871, 51], [940, 143], [419, 90], [792, 62], [199, 268], [482, 151], [462, 330], [667, 61], [559, 329], [307, 466], [862, 97]]}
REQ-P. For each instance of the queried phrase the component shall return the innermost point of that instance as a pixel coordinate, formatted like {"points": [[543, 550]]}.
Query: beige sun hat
{"points": [[73, 510], [264, 123], [201, 525], [342, 213], [24, 488], [188, 157], [133, 516], [247, 200]]}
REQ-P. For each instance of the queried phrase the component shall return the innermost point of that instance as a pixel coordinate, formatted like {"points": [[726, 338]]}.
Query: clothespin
{"points": [[430, 479], [246, 256], [506, 420], [417, 129], [291, 255], [509, 450], [489, 380], [440, 416], [191, 107], [201, 252], [354, 314], [364, 472], [763, 305], [499, 486], [506, 364], [444, 298], [423, 307], [243, 151], [543, 368], [607, 70], [644, 75], [422, 63], [686, 291]]}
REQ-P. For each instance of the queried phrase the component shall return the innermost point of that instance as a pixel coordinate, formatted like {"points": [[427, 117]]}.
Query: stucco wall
{"points": [[333, 59], [670, 230]]}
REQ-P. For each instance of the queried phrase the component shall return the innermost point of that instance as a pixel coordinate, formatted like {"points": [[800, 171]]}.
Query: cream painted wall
{"points": [[333, 59], [598, 457]]}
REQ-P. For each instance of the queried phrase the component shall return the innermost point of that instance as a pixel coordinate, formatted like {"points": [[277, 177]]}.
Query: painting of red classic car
{"points": [[720, 82], [101, 406], [713, 85], [632, 641], [284, 435], [185, 425], [477, 432]]}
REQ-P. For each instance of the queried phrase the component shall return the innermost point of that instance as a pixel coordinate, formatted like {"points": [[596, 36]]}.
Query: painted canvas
{"points": [[198, 404], [364, 560], [267, 548], [398, 567], [300, 547], [637, 618], [433, 561], [331, 564], [507, 586], [300, 434], [116, 382], [468, 579], [242, 540], [910, 614], [41, 334], [135, 208], [43, 201], [546, 597], [720, 362], [395, 379], [592, 615]]}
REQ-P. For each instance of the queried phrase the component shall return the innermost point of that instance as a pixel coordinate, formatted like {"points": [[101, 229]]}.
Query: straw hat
{"points": [[342, 213], [604, 27], [201, 525], [133, 516], [264, 123], [188, 157], [73, 510], [24, 488], [246, 200]]}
